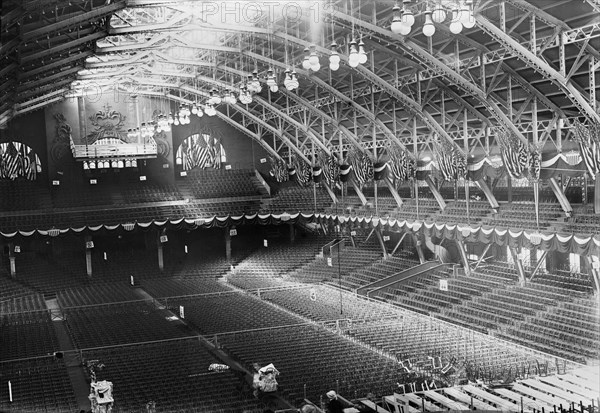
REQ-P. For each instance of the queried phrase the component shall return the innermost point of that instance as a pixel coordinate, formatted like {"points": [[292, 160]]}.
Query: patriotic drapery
{"points": [[588, 139], [402, 166], [18, 160], [303, 171], [199, 151], [452, 163], [330, 167], [515, 155], [279, 169], [362, 165]]}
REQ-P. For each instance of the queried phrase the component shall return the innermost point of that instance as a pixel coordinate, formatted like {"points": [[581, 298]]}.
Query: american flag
{"points": [[362, 165], [12, 165], [279, 169], [588, 139], [515, 154]]}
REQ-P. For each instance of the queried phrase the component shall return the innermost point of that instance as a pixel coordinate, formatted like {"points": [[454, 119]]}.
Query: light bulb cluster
{"points": [[162, 123], [291, 80], [461, 12], [110, 163], [272, 81], [357, 55]]}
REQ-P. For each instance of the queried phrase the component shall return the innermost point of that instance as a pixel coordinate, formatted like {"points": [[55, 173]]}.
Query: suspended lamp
{"points": [[428, 27], [408, 18], [362, 55], [353, 58], [396, 26], [439, 14], [306, 62], [456, 26]]}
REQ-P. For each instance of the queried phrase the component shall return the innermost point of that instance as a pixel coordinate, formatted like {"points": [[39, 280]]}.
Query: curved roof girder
{"points": [[279, 113], [339, 95], [254, 118], [537, 64], [424, 56]]}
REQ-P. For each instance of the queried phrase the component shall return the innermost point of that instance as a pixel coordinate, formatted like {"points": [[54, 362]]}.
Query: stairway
{"points": [[67, 351]]}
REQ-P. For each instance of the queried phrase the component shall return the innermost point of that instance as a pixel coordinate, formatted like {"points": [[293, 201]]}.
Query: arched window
{"points": [[18, 159], [200, 151]]}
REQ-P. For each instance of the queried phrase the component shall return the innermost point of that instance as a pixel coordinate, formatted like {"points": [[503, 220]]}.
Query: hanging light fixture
{"points": [[408, 17], [396, 26], [353, 58], [467, 16], [438, 15], [334, 57], [313, 59], [428, 26], [306, 62], [362, 55], [456, 26]]}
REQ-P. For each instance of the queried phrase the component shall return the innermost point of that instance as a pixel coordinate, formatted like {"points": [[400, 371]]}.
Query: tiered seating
{"points": [[378, 271], [31, 302], [456, 212], [416, 294], [27, 334], [49, 274], [21, 195], [273, 262], [318, 270], [97, 294], [217, 183], [137, 192], [175, 376], [180, 286], [224, 312], [315, 361], [567, 329], [37, 384], [487, 307], [522, 215], [292, 198], [414, 340], [321, 303], [106, 325], [427, 208], [584, 221], [10, 288]]}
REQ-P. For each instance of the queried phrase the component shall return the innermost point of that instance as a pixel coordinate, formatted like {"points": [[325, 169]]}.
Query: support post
{"points": [[597, 194], [509, 188], [436, 194], [463, 257], [161, 258], [361, 196], [88, 256], [419, 249], [538, 265], [381, 242], [227, 245], [485, 251], [12, 259], [560, 195], [481, 184], [595, 273], [518, 264], [393, 191], [330, 192], [292, 233], [398, 244]]}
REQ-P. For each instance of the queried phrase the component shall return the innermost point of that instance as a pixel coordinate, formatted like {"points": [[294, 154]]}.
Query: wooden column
{"points": [[88, 255]]}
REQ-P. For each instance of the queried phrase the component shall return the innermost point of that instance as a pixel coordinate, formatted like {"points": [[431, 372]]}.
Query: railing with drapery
{"points": [[113, 150]]}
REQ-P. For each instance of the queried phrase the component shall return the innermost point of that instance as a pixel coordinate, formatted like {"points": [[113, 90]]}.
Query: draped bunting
{"points": [[362, 165], [588, 139], [452, 163], [345, 171], [472, 233], [199, 151], [18, 160], [330, 166], [380, 170], [279, 169], [317, 174], [402, 166], [515, 155], [303, 171]]}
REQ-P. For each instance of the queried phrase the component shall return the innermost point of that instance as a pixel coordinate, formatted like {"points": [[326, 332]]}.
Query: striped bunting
{"points": [[588, 139]]}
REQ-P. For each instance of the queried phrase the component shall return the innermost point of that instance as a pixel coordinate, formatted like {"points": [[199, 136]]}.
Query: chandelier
{"points": [[458, 13]]}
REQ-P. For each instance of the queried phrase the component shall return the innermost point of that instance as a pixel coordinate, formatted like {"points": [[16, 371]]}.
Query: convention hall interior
{"points": [[306, 206]]}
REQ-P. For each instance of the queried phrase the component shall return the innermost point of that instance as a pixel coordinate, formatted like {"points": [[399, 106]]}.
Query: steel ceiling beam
{"points": [[539, 65]]}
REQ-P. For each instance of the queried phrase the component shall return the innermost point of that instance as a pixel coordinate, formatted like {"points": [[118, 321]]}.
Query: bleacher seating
{"points": [[522, 215], [27, 334], [217, 183], [106, 325], [378, 270], [174, 374], [38, 384]]}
